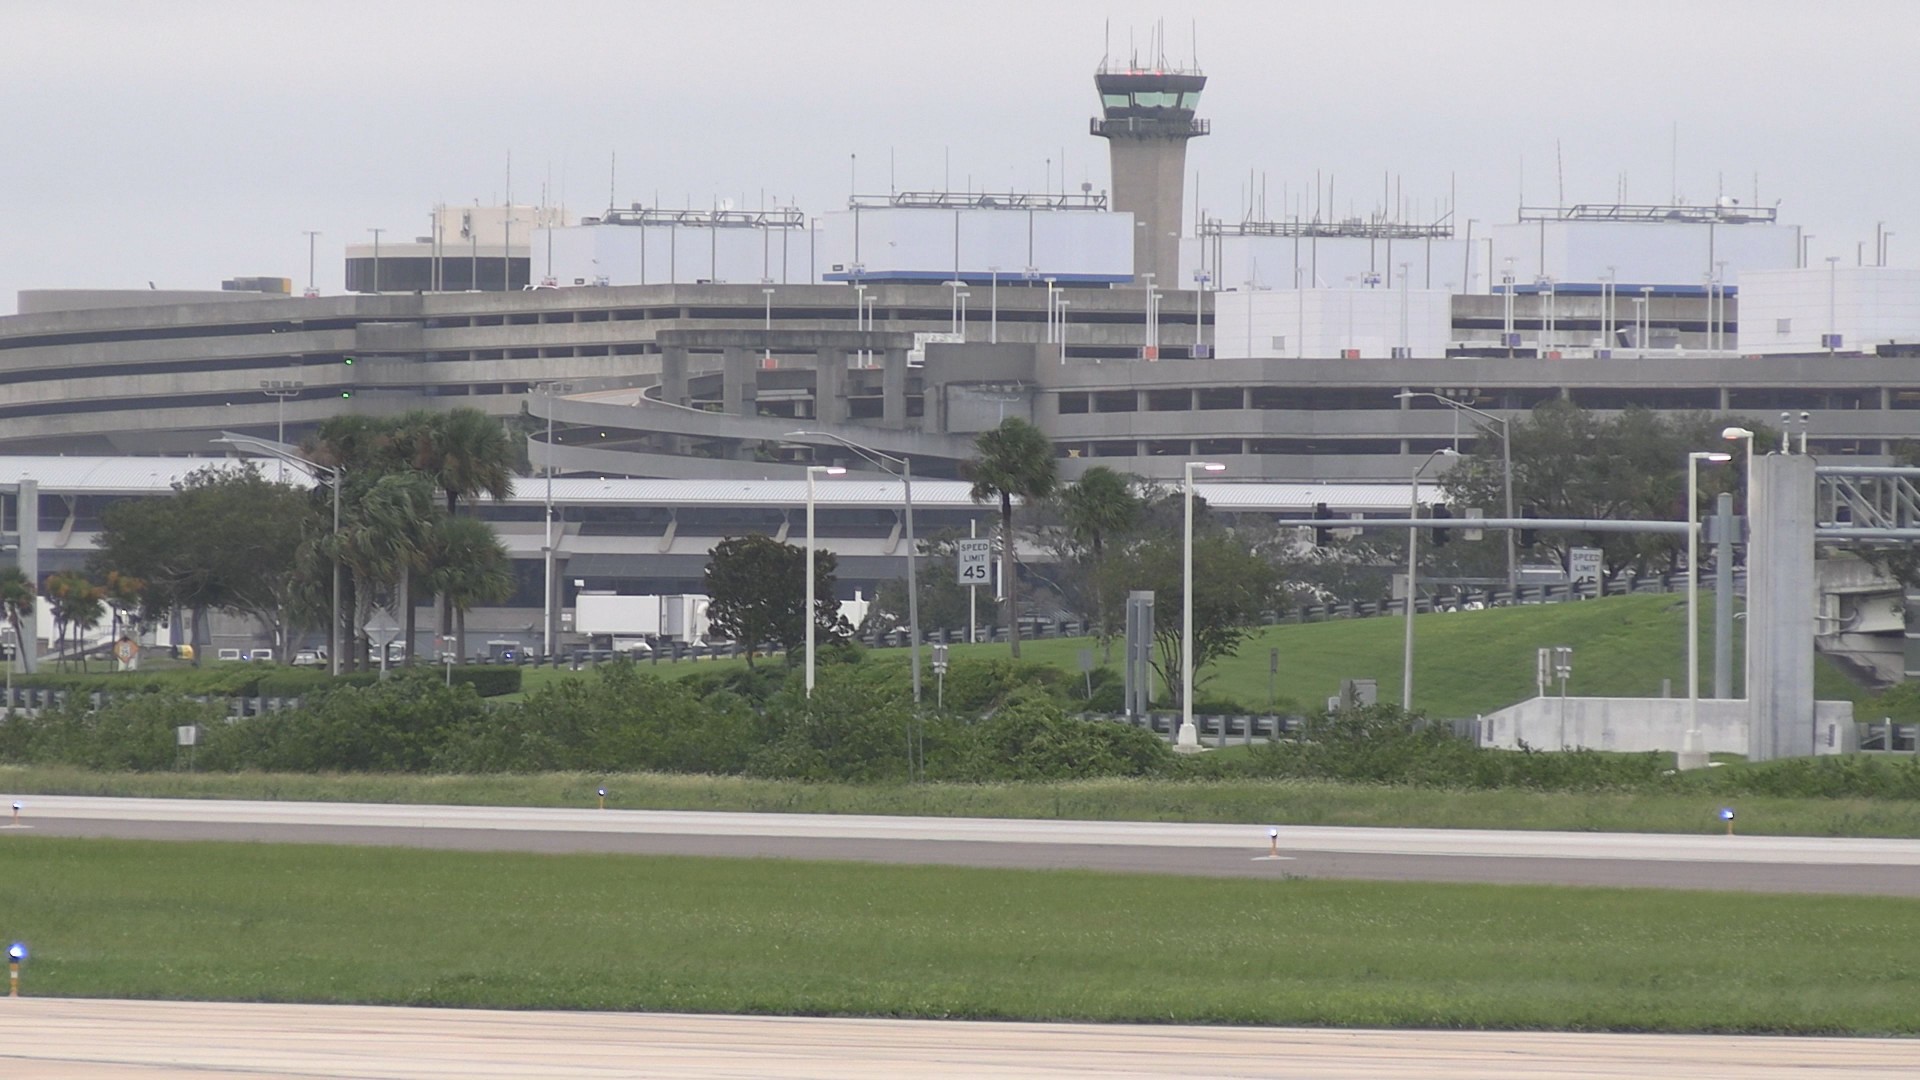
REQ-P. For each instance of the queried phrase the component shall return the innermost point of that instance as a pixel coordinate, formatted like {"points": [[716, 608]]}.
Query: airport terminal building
{"points": [[673, 354]]}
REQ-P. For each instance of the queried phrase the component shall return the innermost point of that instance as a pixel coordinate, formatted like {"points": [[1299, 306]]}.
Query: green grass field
{"points": [[257, 922], [1465, 663], [1285, 802]]}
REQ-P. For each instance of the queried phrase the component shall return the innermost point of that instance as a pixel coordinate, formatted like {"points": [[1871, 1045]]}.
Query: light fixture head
{"points": [[1213, 466], [1715, 456], [1736, 433]]}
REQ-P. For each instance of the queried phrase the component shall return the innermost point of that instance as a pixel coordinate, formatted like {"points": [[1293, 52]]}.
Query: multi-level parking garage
{"points": [[627, 364], [112, 377]]}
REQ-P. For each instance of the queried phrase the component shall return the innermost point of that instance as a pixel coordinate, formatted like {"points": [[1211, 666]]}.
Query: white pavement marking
{"points": [[56, 1039], [1482, 843]]}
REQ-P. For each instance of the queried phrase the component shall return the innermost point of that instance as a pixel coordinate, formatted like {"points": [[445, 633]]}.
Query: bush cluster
{"points": [[620, 718], [249, 680], [1003, 721]]}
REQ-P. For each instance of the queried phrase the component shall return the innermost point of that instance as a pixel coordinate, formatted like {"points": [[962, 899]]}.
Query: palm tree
{"points": [[78, 605], [385, 538], [466, 454], [468, 566], [1015, 459], [1099, 505], [17, 598]]}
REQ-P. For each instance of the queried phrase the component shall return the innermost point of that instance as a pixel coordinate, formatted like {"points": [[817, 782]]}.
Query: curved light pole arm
{"points": [[882, 459]]}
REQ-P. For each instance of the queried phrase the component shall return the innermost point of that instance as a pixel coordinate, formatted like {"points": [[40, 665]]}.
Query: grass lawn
{"points": [[259, 922], [1248, 801], [1465, 663]]}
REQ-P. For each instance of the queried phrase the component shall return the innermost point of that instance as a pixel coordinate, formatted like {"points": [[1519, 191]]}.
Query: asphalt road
{"points": [[1752, 863], [76, 1039]]}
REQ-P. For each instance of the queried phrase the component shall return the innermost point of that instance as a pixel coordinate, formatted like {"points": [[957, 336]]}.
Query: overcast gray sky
{"points": [[185, 141]]}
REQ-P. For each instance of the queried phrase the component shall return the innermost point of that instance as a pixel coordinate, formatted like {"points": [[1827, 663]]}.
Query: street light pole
{"points": [[993, 307], [312, 289], [1413, 553], [280, 390], [879, 457], [549, 556], [1506, 465], [807, 568], [1188, 738], [766, 352]]}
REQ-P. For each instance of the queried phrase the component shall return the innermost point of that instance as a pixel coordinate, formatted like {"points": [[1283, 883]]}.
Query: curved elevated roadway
{"points": [[1695, 861]]}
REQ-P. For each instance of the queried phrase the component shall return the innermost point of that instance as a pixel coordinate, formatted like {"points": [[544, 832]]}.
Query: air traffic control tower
{"points": [[1146, 116]]}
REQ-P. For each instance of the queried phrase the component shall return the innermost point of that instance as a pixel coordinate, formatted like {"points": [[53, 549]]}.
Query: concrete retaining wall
{"points": [[1633, 725]]}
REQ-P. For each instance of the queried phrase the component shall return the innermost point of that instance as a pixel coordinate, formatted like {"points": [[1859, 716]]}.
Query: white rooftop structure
{"points": [[157, 475], [1794, 311]]}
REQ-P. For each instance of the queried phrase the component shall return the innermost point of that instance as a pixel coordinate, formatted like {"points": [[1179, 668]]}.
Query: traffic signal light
{"points": [[1441, 534], [1322, 534]]}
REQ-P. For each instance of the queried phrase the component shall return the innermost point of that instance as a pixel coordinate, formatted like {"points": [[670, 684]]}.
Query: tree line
{"points": [[1108, 533], [232, 540]]}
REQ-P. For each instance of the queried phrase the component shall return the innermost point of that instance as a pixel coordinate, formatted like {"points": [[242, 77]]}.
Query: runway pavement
{"points": [[1769, 864], [75, 1039]]}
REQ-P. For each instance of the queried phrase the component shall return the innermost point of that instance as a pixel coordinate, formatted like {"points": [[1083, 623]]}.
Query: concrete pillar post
{"points": [[830, 385], [739, 381], [673, 375], [1780, 608], [893, 389]]}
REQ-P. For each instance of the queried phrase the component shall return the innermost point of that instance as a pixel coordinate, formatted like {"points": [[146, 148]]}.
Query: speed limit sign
{"points": [[976, 561]]}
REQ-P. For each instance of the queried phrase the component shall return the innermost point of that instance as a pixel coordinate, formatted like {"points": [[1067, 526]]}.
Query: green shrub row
{"points": [[1005, 721], [620, 718], [249, 680]]}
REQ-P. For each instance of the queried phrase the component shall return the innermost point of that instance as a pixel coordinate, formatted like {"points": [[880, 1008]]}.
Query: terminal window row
{"points": [[1315, 399]]}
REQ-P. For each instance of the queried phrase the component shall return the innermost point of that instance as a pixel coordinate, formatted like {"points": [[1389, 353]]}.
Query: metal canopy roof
{"points": [[156, 476], [113, 475]]}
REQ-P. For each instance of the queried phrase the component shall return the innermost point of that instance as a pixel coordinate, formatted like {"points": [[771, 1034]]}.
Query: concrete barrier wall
{"points": [[1634, 725]]}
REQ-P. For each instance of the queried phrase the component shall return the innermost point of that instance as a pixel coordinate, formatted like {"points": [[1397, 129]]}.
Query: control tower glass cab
{"points": [[1166, 99], [1147, 116]]}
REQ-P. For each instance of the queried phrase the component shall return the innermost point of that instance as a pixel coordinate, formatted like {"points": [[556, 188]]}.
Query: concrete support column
{"points": [[739, 381], [673, 375], [830, 386], [27, 520], [893, 389], [1911, 667], [1780, 608]]}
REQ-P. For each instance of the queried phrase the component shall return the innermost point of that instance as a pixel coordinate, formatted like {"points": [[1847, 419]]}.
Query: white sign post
{"points": [[976, 561], [1583, 564]]}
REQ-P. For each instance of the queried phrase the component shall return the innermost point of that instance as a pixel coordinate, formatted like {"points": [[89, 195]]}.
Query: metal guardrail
{"points": [[1889, 738]]}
